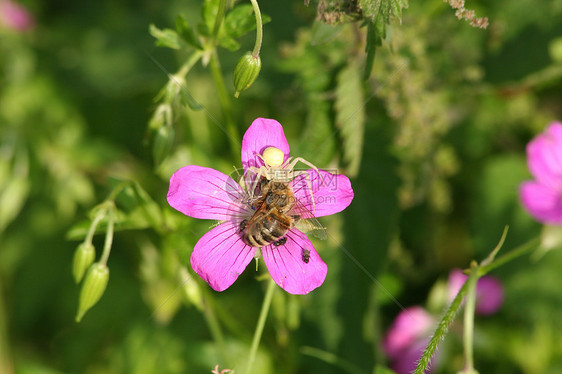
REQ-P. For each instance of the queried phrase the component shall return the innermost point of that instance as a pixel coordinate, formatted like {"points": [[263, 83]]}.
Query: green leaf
{"points": [[380, 13], [386, 9], [190, 100], [228, 43], [209, 12], [12, 198], [187, 33], [133, 220], [162, 144], [367, 241], [240, 20], [350, 116], [165, 38], [149, 208], [318, 145], [370, 48]]}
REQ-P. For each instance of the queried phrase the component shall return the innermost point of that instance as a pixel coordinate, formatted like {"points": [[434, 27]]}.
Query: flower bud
{"points": [[83, 258], [163, 142], [246, 72], [93, 288]]}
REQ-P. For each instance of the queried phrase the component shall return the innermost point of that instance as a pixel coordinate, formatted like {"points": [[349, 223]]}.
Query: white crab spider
{"points": [[275, 169]]}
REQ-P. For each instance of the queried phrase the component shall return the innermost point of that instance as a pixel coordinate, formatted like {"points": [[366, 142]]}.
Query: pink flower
{"points": [[542, 198], [489, 291], [407, 338], [221, 255], [15, 16]]}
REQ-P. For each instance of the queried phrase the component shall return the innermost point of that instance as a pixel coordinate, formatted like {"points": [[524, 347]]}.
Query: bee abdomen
{"points": [[264, 233]]}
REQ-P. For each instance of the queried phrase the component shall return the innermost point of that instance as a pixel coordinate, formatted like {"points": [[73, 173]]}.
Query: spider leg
{"points": [[294, 161], [259, 172], [308, 185]]}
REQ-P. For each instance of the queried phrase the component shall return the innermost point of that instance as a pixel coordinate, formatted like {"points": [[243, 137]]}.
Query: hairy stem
{"points": [[440, 331]]}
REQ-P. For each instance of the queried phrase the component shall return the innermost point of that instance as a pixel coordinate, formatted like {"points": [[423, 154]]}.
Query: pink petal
{"points": [[288, 268], [542, 202], [220, 256], [489, 291], [544, 156], [407, 361], [489, 295], [455, 283], [409, 326], [332, 193], [261, 134], [206, 193]]}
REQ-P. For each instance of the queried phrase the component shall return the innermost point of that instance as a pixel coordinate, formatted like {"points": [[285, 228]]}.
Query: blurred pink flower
{"points": [[411, 331], [221, 255], [407, 338], [489, 291], [14, 16], [542, 198]]}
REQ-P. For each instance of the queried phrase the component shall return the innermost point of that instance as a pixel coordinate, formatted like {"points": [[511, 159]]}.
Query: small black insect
{"points": [[305, 255], [280, 242]]}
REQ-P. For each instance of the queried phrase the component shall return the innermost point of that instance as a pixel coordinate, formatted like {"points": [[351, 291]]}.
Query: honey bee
{"points": [[277, 212], [276, 168]]}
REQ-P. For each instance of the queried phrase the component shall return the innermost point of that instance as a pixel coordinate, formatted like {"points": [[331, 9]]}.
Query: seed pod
{"points": [[93, 288], [83, 258], [246, 72]]}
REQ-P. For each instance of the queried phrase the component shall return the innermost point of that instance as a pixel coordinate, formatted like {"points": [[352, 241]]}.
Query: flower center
{"points": [[273, 156]]}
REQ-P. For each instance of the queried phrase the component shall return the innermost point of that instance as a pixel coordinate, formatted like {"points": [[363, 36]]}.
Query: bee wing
{"points": [[308, 223]]}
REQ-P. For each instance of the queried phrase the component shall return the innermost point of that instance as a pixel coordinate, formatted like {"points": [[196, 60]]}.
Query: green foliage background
{"points": [[434, 141]]}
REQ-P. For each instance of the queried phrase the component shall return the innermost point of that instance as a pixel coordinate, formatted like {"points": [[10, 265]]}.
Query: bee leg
{"points": [[280, 242], [243, 225]]}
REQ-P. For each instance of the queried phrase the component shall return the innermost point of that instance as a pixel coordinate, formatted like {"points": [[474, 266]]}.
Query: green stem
{"points": [[93, 226], [469, 320], [224, 99], [511, 255], [214, 327], [332, 359], [108, 235], [488, 260], [190, 63], [441, 329], [219, 19], [261, 323], [259, 28], [116, 191]]}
